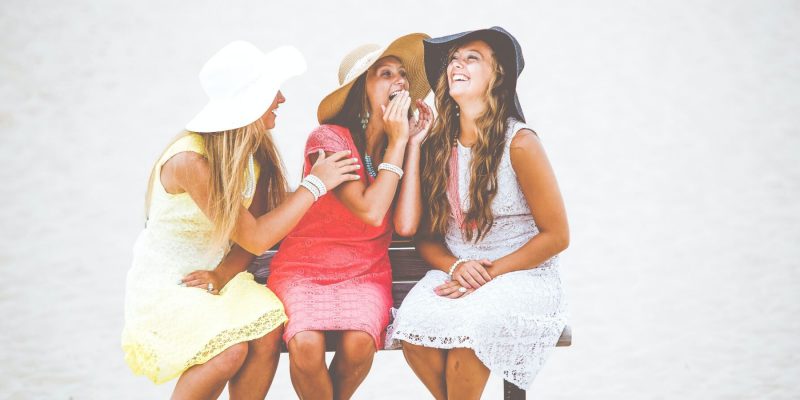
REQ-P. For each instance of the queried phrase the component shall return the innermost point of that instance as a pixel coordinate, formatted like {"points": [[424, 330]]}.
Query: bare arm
{"points": [[408, 208], [538, 184], [434, 252], [191, 174], [370, 203], [236, 260]]}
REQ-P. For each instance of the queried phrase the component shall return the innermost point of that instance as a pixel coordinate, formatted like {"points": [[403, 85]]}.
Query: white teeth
{"points": [[460, 77]]}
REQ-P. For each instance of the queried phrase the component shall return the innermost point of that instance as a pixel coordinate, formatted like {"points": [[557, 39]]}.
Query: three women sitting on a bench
{"points": [[472, 184]]}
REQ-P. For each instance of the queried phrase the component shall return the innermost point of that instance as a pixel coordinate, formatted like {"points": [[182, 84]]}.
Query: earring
{"points": [[458, 111], [364, 120]]}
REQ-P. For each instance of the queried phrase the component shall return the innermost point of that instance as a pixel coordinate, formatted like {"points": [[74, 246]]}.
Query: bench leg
{"points": [[512, 392]]}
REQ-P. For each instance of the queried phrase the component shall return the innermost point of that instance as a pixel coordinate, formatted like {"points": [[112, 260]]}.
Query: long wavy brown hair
{"points": [[486, 154], [355, 107], [227, 153]]}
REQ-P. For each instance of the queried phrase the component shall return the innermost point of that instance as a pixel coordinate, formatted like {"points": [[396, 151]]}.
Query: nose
{"points": [[280, 97], [402, 81]]}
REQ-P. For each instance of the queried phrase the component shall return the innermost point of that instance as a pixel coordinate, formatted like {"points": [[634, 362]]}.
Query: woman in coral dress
{"points": [[332, 271]]}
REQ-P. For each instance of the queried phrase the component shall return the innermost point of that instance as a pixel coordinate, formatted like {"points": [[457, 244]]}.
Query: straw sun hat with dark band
{"points": [[407, 48]]}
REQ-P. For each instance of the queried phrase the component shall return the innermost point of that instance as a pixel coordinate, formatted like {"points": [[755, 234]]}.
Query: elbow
{"points": [[372, 218], [561, 242], [405, 230], [256, 248]]}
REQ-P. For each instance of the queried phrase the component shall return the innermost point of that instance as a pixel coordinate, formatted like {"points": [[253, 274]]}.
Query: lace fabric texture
{"points": [[332, 271], [169, 328], [513, 322]]}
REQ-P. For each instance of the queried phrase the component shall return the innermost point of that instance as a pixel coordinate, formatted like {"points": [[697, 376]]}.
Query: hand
{"points": [[335, 169], [395, 117], [472, 274], [450, 289], [422, 125], [200, 279]]}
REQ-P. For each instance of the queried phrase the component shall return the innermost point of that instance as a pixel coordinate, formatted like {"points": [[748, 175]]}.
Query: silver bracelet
{"points": [[391, 168], [318, 183], [311, 188], [456, 264]]}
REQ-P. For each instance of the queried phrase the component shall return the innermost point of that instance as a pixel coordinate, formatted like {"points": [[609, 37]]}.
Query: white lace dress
{"points": [[514, 321]]}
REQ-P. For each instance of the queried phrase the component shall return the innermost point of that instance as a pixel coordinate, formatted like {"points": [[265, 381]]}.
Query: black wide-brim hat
{"points": [[506, 49]]}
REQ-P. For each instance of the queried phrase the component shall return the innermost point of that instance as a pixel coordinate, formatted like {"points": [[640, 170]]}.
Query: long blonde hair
{"points": [[227, 153], [486, 154]]}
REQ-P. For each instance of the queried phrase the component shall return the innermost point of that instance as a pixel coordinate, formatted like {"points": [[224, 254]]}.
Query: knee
{"points": [[307, 351], [231, 359], [357, 347], [267, 345]]}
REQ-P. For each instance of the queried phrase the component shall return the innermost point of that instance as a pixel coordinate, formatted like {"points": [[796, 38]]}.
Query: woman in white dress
{"points": [[493, 223]]}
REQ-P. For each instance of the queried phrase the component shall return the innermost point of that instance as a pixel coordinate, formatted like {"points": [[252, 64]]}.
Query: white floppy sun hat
{"points": [[241, 82]]}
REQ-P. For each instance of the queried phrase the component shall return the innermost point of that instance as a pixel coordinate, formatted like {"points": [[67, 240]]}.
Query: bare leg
{"points": [[352, 362], [207, 380], [307, 366], [465, 374], [428, 364], [255, 377]]}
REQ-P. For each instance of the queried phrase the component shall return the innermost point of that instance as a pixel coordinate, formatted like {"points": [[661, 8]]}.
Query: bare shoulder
{"points": [[185, 169], [526, 142]]}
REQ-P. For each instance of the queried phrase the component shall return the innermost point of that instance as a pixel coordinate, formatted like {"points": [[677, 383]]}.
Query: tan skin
{"points": [[388, 119], [458, 373], [249, 367]]}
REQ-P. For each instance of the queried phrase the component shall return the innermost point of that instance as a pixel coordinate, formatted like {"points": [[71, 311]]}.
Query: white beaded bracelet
{"points": [[455, 264], [391, 168], [318, 183], [311, 188]]}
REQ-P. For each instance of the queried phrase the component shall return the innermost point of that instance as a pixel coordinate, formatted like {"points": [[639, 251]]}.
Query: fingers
{"points": [[338, 156], [484, 274], [477, 274], [320, 157], [447, 284], [473, 283], [349, 177], [398, 107], [347, 162], [388, 111], [200, 274], [462, 281], [196, 283]]}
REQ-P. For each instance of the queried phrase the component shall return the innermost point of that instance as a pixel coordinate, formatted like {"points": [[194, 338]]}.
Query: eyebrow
{"points": [[379, 66]]}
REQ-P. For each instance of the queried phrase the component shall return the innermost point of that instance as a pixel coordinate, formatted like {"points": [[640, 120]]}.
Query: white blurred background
{"points": [[673, 127]]}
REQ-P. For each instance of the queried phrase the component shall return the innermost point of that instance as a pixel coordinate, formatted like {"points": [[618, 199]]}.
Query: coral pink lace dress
{"points": [[332, 271]]}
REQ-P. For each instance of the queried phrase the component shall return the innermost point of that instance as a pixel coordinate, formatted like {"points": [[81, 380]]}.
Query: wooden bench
{"points": [[407, 269]]}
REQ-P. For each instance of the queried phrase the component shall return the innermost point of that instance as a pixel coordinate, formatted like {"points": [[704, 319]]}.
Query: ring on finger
{"points": [[462, 289], [210, 287]]}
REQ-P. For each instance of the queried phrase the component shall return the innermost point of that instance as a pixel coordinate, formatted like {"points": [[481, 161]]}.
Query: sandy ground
{"points": [[672, 126]]}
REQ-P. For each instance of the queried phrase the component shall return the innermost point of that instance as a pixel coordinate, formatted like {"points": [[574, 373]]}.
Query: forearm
{"points": [[373, 203], [408, 209], [539, 249], [237, 260], [257, 235], [435, 253]]}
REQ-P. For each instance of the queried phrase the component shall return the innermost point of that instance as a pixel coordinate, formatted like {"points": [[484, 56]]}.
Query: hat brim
{"points": [[506, 48], [248, 105], [408, 49]]}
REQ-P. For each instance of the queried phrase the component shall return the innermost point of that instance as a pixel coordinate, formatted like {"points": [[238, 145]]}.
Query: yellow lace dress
{"points": [[168, 327]]}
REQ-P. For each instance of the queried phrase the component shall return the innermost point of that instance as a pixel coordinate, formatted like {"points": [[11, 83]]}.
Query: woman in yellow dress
{"points": [[216, 196]]}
